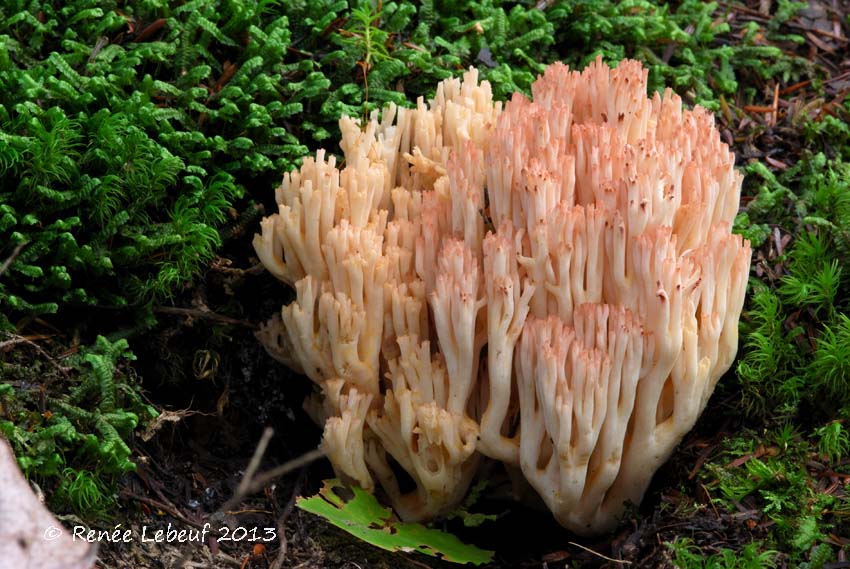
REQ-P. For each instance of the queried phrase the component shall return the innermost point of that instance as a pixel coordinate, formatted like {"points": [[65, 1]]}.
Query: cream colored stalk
{"points": [[553, 284]]}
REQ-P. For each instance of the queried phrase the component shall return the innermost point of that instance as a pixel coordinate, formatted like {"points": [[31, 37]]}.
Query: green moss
{"points": [[686, 555], [69, 426], [793, 373]]}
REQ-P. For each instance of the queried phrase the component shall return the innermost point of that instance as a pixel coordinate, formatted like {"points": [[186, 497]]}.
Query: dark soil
{"points": [[189, 469]]}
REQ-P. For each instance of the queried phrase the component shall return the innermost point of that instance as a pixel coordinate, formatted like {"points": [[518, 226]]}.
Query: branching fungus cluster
{"points": [[554, 285]]}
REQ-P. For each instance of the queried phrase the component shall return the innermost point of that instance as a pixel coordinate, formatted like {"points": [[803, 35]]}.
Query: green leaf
{"points": [[363, 517]]}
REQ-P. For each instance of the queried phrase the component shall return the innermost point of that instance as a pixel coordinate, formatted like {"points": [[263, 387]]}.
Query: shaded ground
{"points": [[190, 469]]}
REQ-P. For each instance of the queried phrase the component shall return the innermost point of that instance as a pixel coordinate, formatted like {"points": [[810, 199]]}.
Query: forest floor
{"points": [[190, 468], [709, 506]]}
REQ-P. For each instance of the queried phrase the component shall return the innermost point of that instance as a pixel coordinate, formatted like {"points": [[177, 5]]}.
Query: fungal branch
{"points": [[577, 337]]}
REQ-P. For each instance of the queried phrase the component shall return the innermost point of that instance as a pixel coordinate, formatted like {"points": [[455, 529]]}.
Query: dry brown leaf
{"points": [[163, 418]]}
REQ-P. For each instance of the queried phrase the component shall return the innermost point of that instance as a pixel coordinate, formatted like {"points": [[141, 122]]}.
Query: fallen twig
{"points": [[11, 258], [202, 314], [281, 521], [253, 465], [251, 482], [264, 478], [596, 553], [173, 512], [16, 339], [150, 30]]}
